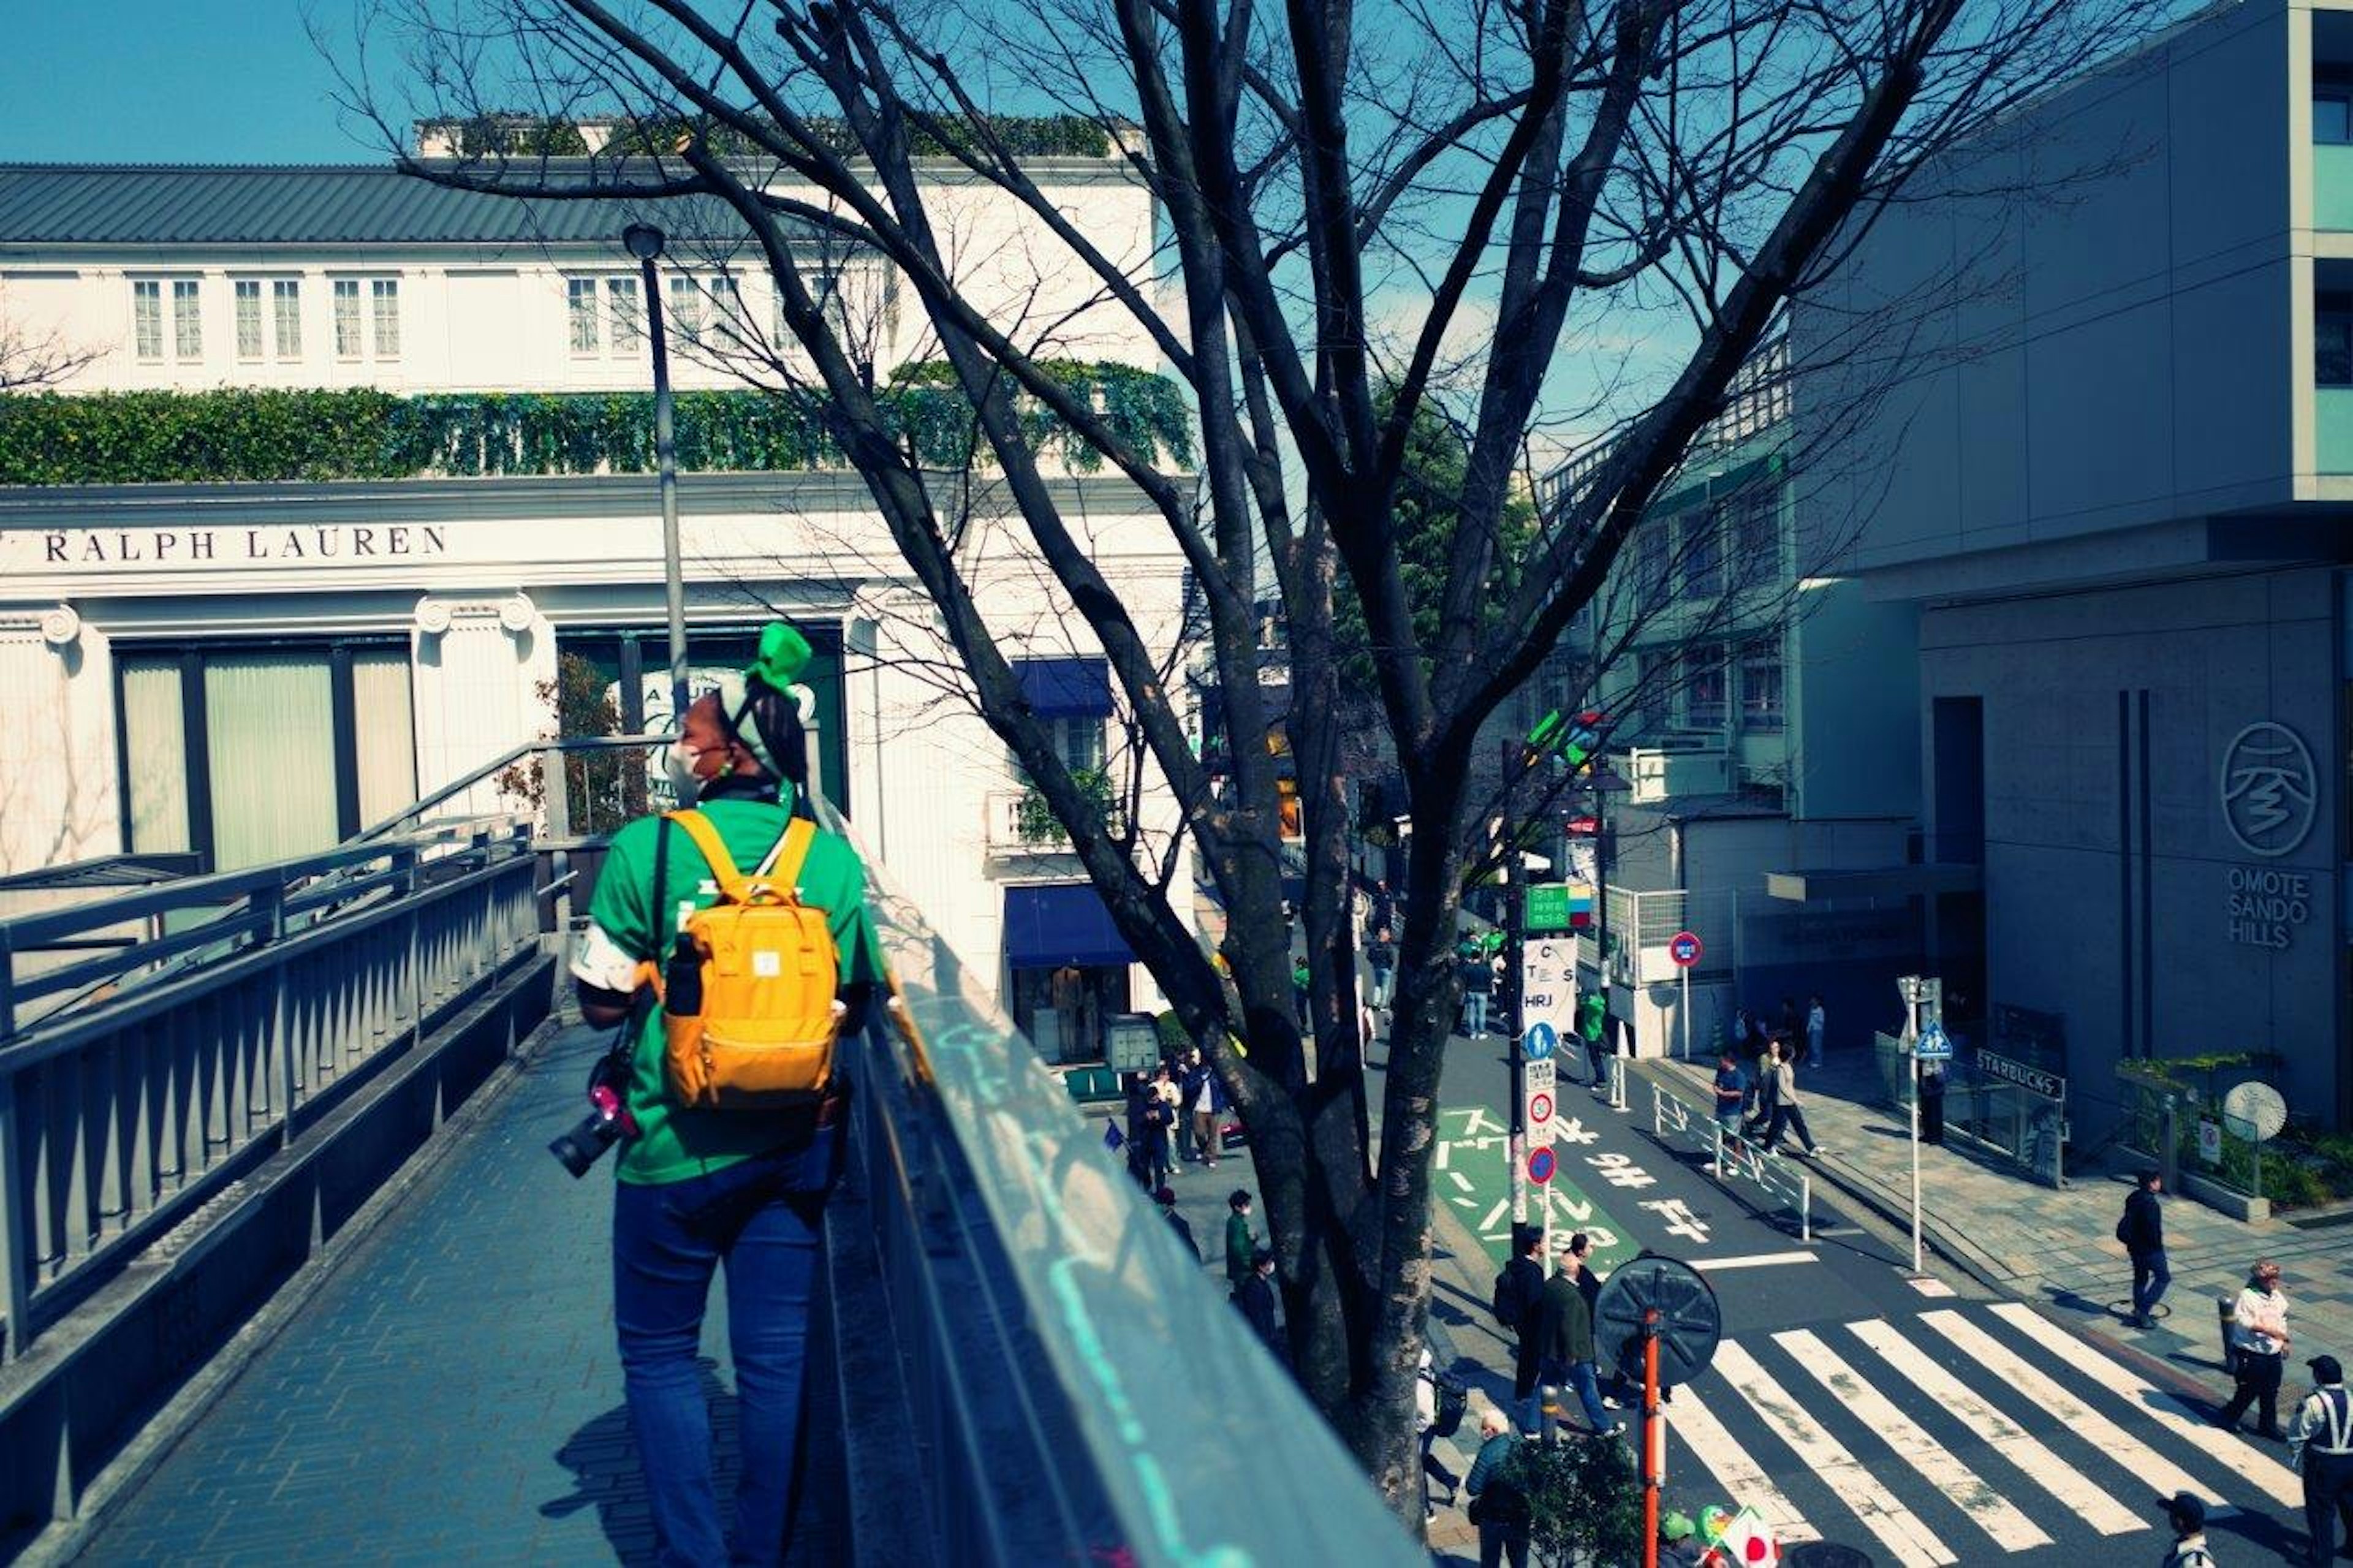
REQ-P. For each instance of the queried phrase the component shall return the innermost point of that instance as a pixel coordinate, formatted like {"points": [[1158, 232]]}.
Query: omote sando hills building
{"points": [[349, 492], [2113, 469]]}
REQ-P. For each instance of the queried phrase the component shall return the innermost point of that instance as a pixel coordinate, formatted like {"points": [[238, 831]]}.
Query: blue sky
{"points": [[169, 82]]}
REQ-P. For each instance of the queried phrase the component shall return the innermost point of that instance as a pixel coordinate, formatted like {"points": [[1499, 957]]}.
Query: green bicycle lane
{"points": [[1471, 1173]]}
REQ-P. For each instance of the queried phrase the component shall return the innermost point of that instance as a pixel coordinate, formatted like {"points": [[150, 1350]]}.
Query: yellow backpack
{"points": [[752, 1025]]}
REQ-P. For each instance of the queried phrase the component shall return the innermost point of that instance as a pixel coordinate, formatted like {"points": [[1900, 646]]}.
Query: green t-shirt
{"points": [[674, 1143]]}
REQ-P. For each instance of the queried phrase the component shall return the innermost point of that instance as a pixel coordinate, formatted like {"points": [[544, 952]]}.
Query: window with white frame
{"points": [[147, 317], [580, 313], [1760, 685], [247, 293], [1650, 565], [286, 316], [627, 314], [385, 295], [1756, 536], [347, 318], [187, 321], [823, 282], [1702, 551], [1702, 676], [1654, 678], [685, 310]]}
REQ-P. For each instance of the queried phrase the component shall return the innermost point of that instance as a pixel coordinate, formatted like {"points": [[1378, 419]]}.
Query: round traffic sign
{"points": [[1539, 1108], [1540, 1041], [1683, 947], [1689, 1321], [1540, 1166]]}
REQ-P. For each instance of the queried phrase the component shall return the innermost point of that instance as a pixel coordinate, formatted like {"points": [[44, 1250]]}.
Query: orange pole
{"points": [[1649, 1438]]}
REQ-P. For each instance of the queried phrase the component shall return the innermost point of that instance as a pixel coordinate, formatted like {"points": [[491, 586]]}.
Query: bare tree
{"points": [[31, 360], [1583, 213]]}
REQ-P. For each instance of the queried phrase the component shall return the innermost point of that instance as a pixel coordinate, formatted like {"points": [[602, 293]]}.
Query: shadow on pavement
{"points": [[603, 1459]]}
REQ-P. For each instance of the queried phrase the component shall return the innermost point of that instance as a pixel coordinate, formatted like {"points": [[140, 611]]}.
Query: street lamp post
{"points": [[1605, 782], [645, 242]]}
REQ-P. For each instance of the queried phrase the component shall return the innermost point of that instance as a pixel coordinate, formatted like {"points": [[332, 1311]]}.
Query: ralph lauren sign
{"points": [[182, 546]]}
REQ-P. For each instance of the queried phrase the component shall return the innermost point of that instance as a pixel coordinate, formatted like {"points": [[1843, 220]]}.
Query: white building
{"points": [[253, 668]]}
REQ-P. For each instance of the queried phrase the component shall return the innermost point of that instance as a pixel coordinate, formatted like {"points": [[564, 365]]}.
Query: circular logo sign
{"points": [[1683, 947], [2271, 791], [1539, 1108], [1541, 1041], [1540, 1166]]}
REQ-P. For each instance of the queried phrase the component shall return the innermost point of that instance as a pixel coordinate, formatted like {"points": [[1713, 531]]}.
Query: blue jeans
{"points": [[2150, 1277], [1384, 975], [1581, 1377], [764, 1218], [1475, 1012]]}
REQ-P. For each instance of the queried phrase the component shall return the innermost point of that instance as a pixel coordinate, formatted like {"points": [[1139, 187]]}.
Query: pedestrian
{"points": [[1255, 1297], [1518, 1289], [1382, 915], [1381, 953], [1731, 1094], [1209, 1115], [1300, 982], [1498, 1507], [1786, 1028], [1763, 1086], [2259, 1334], [1172, 1116], [1815, 1023], [1564, 1344], [1430, 1428], [1240, 1243], [700, 1188], [1932, 1102], [1788, 1113], [2187, 1516], [2142, 1230], [1190, 1079], [2320, 1449], [1167, 1198], [1478, 978], [1588, 1285]]}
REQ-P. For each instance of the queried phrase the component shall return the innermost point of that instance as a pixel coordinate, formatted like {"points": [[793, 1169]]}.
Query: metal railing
{"points": [[187, 1057], [1766, 1183], [2022, 1126], [1036, 1298]]}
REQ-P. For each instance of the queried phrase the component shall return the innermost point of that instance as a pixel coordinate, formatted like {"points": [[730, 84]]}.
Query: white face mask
{"points": [[678, 766]]}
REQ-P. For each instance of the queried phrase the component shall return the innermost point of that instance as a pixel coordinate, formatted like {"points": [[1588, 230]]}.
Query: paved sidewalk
{"points": [[2057, 1247], [451, 1392]]}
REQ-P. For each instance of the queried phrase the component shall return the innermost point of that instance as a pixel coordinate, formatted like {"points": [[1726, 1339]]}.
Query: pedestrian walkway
{"points": [[451, 1394], [2056, 1246]]}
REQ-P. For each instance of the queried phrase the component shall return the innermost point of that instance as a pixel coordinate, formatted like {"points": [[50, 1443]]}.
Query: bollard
{"points": [[2226, 1308]]}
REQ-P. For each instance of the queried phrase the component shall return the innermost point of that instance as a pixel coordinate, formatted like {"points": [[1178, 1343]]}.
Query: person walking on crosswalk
{"points": [[1565, 1342], [2142, 1230], [2320, 1449], [2187, 1515], [2259, 1335]]}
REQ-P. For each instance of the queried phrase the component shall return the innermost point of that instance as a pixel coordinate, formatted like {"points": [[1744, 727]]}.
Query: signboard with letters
{"points": [[1547, 1017]]}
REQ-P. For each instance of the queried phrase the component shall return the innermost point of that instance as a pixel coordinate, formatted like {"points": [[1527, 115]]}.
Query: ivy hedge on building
{"points": [[262, 436]]}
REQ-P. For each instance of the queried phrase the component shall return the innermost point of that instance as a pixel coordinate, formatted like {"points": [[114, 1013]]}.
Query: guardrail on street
{"points": [[1767, 1182]]}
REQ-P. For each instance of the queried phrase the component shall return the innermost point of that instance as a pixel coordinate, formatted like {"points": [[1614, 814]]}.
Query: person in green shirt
{"points": [[1240, 1244], [699, 1188]]}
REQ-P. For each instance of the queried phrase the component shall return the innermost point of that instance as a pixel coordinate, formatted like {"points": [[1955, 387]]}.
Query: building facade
{"points": [[250, 669], [2114, 478]]}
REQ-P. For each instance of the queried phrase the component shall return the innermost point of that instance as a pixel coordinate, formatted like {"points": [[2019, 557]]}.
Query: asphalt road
{"points": [[1917, 1419]]}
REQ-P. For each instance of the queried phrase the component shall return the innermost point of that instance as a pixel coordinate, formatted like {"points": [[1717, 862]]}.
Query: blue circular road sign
{"points": [[1540, 1041], [1540, 1166]]}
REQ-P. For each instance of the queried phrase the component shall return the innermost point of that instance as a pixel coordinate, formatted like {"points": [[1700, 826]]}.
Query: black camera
{"points": [[608, 1122]]}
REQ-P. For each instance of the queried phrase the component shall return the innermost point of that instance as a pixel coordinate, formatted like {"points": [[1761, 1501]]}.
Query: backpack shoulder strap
{"points": [[793, 852], [706, 838]]}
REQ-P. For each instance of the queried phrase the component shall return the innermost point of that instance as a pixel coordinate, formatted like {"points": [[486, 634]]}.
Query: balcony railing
{"points": [[1659, 774], [2332, 416], [2332, 186], [1005, 827]]}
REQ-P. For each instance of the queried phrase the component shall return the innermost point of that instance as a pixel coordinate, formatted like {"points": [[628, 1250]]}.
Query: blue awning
{"points": [[1045, 928], [1065, 687]]}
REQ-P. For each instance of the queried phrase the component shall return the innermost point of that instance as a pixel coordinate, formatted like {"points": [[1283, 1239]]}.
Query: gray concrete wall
{"points": [[2102, 335], [2071, 929], [1853, 688]]}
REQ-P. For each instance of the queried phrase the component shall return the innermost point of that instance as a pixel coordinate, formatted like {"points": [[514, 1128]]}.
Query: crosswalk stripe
{"points": [[2224, 1447], [2152, 1469], [2069, 1485], [1896, 1526], [1741, 1477], [1987, 1508]]}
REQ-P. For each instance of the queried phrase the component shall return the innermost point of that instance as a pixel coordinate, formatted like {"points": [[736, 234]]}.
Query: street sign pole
{"points": [[1685, 1011], [1516, 1145], [1916, 1164], [1684, 949]]}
